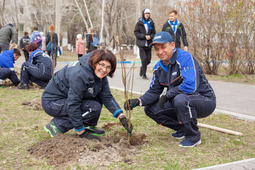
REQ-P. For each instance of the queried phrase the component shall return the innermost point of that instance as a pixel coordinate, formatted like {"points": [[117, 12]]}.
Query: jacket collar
{"points": [[174, 56]]}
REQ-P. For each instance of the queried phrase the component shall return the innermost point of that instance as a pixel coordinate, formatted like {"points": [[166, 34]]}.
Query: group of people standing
{"points": [[145, 31]]}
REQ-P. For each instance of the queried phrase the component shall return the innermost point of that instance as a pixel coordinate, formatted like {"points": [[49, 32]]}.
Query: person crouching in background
{"points": [[38, 70]]}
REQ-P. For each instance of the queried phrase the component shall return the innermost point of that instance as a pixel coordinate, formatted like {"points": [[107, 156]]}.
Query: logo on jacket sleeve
{"points": [[91, 90], [174, 73]]}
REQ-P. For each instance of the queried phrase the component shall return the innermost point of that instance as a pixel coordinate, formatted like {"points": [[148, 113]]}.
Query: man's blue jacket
{"points": [[7, 59], [182, 75]]}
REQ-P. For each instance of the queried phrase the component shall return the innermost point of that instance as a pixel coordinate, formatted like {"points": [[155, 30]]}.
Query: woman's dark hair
{"points": [[17, 52], [99, 55], [35, 28], [31, 47]]}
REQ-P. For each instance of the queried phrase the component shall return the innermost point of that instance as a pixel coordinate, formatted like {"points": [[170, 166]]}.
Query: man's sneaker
{"points": [[86, 134], [178, 135], [52, 129], [186, 143], [94, 131]]}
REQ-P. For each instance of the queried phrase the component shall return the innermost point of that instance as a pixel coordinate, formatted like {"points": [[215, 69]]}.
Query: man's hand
{"points": [[124, 122], [148, 37], [162, 100], [131, 103]]}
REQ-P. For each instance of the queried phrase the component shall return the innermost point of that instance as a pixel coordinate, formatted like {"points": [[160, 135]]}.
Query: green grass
{"points": [[21, 127]]}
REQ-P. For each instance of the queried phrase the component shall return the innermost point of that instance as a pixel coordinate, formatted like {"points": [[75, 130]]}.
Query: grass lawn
{"points": [[22, 127]]}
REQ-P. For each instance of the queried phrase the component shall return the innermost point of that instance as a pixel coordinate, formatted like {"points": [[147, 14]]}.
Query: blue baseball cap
{"points": [[161, 38]]}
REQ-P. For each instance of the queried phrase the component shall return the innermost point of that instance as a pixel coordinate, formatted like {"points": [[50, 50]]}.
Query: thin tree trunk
{"points": [[16, 12], [102, 22], [87, 13], [84, 20]]}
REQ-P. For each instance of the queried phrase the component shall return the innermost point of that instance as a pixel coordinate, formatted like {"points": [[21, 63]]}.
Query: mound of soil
{"points": [[67, 149], [35, 104]]}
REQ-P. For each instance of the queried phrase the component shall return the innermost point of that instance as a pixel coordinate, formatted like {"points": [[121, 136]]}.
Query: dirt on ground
{"points": [[68, 149], [36, 104]]}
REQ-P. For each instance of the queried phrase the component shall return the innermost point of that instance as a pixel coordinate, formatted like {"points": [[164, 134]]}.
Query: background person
{"points": [[24, 41], [36, 37], [176, 29], [7, 60], [80, 46], [76, 93], [38, 70], [52, 44], [144, 32], [89, 40], [188, 94], [43, 41], [8, 33]]}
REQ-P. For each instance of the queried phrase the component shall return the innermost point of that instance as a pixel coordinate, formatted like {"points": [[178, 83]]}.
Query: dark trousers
{"points": [[90, 110], [53, 55], [181, 114], [4, 47], [33, 73], [26, 54], [7, 73], [145, 55]]}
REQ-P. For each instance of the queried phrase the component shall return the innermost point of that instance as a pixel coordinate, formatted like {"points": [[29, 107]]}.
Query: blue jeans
{"points": [[181, 114], [90, 110]]}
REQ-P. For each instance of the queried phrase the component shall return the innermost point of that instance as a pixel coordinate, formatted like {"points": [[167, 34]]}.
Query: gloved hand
{"points": [[162, 100], [131, 103], [124, 122]]}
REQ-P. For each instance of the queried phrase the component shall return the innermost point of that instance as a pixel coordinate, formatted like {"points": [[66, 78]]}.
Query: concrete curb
{"points": [[238, 165]]}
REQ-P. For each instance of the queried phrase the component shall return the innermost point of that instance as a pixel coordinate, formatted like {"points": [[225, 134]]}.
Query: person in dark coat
{"points": [[187, 95], [38, 70], [144, 32], [8, 33], [176, 29], [23, 42], [75, 96], [89, 40], [7, 59], [52, 44]]}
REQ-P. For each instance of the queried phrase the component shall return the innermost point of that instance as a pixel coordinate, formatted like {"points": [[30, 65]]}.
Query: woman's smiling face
{"points": [[103, 68]]}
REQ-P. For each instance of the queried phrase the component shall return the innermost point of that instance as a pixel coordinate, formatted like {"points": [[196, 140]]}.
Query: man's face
{"points": [[16, 57], [146, 15], [172, 17], [164, 51]]}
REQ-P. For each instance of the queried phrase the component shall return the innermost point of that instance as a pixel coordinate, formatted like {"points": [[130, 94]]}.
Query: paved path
{"points": [[232, 98]]}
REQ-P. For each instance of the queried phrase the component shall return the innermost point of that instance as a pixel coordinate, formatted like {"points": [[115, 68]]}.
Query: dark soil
{"points": [[67, 149], [36, 104]]}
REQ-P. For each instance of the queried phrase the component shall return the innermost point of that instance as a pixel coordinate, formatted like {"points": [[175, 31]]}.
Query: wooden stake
{"points": [[220, 129]]}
